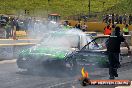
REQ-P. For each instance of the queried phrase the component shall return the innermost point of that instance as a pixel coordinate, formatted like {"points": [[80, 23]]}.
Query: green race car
{"points": [[64, 51]]}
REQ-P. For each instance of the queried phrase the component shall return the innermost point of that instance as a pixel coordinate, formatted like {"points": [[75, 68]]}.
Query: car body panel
{"points": [[48, 56], [54, 52]]}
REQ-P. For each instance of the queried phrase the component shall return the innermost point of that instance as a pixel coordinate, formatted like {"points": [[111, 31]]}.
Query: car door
{"points": [[93, 54]]}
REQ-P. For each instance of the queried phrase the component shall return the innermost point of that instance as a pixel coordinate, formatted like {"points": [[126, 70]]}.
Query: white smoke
{"points": [[37, 28], [55, 35]]}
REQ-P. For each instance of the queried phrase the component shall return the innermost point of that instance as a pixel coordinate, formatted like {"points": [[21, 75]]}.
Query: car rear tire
{"points": [[72, 67]]}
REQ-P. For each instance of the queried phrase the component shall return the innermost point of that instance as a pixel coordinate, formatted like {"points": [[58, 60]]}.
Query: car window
{"points": [[97, 44]]}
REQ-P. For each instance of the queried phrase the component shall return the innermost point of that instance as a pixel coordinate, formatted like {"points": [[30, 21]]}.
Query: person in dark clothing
{"points": [[120, 19], [117, 19], [130, 19], [110, 19], [124, 18], [113, 18], [79, 25], [75, 26], [107, 18], [8, 29], [113, 49]]}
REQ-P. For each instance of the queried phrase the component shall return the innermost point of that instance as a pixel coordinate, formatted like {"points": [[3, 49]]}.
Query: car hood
{"points": [[53, 52]]}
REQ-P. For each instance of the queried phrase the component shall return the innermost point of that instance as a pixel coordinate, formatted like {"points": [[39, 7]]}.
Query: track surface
{"points": [[11, 77]]}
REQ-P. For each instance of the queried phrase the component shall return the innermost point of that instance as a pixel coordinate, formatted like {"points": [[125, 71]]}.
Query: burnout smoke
{"points": [[41, 29], [37, 28], [55, 42]]}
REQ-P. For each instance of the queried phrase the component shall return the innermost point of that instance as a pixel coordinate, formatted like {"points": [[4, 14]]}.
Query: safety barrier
{"points": [[9, 48], [19, 34], [97, 26], [11, 51], [11, 41]]}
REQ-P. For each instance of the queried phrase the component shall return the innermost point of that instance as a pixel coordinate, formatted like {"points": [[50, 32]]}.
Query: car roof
{"points": [[68, 32]]}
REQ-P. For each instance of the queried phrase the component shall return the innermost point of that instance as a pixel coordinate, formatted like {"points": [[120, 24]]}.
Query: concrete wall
{"points": [[12, 51], [11, 41], [9, 48]]}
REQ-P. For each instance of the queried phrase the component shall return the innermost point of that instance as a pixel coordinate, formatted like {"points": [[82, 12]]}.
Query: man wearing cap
{"points": [[113, 49]]}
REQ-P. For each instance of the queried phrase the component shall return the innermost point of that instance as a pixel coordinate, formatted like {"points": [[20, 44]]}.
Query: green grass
{"points": [[123, 7], [63, 7]]}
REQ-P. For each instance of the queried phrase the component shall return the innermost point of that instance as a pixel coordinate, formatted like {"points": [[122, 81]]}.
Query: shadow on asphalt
{"points": [[48, 74], [63, 74]]}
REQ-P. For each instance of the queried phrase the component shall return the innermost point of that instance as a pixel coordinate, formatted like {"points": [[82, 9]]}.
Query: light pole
{"points": [[48, 7], [4, 7], [89, 6]]}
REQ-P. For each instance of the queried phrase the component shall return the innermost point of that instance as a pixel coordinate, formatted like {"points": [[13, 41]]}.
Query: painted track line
{"points": [[8, 61], [63, 83]]}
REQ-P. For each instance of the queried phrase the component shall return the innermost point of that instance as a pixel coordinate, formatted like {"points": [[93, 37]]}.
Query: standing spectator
{"points": [[113, 18], [107, 18], [85, 19], [126, 30], [65, 23], [107, 30], [15, 23], [120, 19], [12, 26], [15, 27], [124, 18], [110, 19], [75, 26], [78, 25], [8, 29], [84, 27], [113, 26], [26, 24], [117, 19], [130, 19], [68, 26]]}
